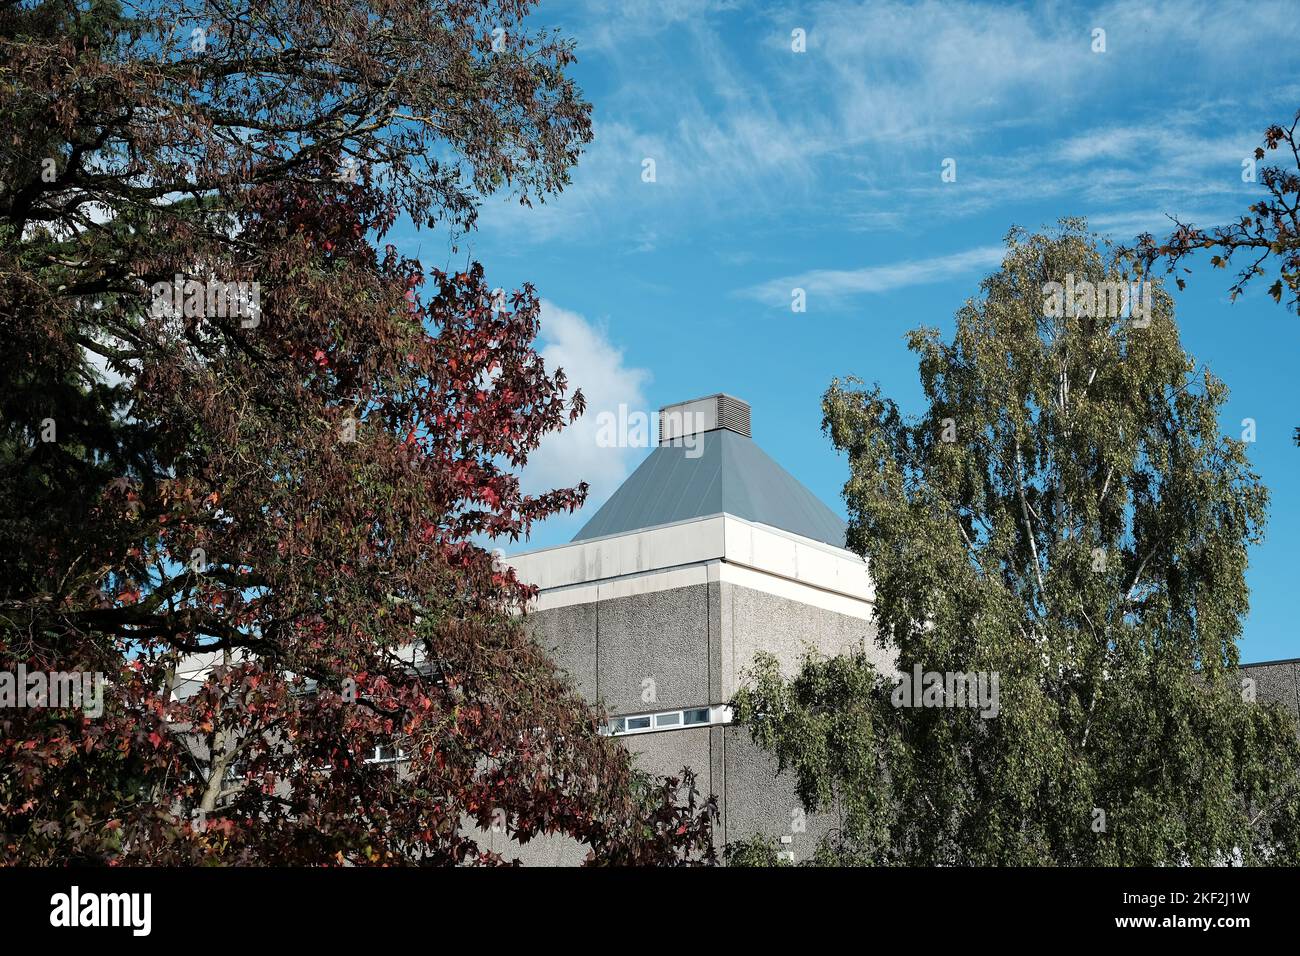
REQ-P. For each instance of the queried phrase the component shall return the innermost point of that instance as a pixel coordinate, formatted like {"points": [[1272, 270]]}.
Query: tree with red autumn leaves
{"points": [[295, 486], [1269, 233], [1265, 239]]}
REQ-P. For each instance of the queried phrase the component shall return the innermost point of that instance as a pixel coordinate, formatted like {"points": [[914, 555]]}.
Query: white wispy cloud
{"points": [[937, 72], [981, 81], [614, 24], [1124, 226], [743, 129], [944, 72], [836, 285], [1175, 141]]}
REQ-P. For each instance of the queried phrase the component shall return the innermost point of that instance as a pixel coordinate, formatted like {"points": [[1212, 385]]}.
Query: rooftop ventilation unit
{"points": [[703, 415]]}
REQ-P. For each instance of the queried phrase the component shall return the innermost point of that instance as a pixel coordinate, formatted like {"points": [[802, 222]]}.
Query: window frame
{"points": [[619, 726]]}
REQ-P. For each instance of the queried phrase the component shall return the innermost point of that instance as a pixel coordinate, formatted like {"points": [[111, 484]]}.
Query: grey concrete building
{"points": [[1276, 681], [708, 553]]}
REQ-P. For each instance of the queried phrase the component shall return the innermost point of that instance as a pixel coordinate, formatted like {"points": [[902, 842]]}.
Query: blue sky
{"points": [[776, 169]]}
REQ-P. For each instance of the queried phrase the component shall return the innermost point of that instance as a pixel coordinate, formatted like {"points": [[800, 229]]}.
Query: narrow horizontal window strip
{"points": [[666, 720]]}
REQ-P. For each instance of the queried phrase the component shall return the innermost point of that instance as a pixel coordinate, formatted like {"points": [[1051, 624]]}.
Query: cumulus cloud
{"points": [[598, 367]]}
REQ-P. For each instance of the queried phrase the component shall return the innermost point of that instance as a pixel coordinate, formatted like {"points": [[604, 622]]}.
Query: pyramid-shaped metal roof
{"points": [[723, 472]]}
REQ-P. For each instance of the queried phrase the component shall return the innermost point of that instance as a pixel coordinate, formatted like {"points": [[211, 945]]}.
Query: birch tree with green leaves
{"points": [[1066, 521]]}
